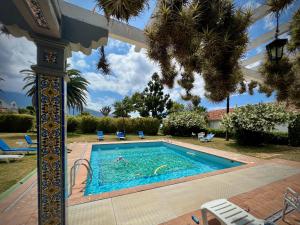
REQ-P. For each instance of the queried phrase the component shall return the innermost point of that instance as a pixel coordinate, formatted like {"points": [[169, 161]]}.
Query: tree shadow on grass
{"points": [[264, 148]]}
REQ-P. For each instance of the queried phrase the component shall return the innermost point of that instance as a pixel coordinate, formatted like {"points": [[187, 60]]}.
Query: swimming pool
{"points": [[119, 166]]}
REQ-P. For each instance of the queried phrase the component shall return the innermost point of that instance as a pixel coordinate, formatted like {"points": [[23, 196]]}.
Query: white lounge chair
{"points": [[228, 213], [201, 135], [207, 138], [291, 200], [8, 158]]}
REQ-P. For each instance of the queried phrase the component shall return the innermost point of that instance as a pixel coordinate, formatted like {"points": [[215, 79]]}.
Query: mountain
{"points": [[22, 101], [91, 111]]}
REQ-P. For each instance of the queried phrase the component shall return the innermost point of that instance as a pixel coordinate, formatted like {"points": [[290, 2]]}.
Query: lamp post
{"points": [[275, 48]]}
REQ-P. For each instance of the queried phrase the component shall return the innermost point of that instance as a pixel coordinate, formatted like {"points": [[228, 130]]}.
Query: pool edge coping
{"points": [[80, 199]]}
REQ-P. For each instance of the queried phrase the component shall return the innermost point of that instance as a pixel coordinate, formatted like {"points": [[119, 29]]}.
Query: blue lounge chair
{"points": [[121, 135], [141, 134], [6, 149], [207, 138], [29, 140], [100, 135]]}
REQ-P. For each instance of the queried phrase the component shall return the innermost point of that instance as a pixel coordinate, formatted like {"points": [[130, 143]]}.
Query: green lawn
{"points": [[13, 172], [266, 151]]}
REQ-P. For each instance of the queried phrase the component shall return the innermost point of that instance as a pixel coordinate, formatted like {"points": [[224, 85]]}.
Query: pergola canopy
{"points": [[58, 28], [84, 30]]}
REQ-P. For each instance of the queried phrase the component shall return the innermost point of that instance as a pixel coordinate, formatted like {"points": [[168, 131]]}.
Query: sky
{"points": [[131, 71]]}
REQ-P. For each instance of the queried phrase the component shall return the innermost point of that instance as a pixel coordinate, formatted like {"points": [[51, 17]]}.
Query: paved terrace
{"points": [[259, 186]]}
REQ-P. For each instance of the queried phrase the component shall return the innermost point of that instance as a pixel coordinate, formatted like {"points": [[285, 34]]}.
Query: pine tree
{"points": [[152, 101]]}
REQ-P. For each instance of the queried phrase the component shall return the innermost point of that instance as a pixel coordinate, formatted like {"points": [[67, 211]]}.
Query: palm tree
{"points": [[105, 110], [76, 88]]}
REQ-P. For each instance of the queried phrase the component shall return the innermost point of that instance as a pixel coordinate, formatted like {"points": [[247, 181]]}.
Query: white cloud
{"points": [[198, 86], [96, 103], [113, 43], [16, 54], [79, 55], [269, 22], [252, 4], [254, 65], [78, 61], [259, 50], [131, 72], [82, 64]]}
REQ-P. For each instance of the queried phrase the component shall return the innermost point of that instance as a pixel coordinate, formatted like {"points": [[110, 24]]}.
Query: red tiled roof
{"points": [[217, 114]]}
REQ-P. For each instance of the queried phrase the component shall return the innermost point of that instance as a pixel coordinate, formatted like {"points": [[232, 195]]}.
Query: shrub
{"points": [[252, 122], [123, 124], [277, 138], [107, 125], [88, 124], [294, 132], [220, 132], [16, 122], [249, 137], [184, 123], [72, 123], [149, 125]]}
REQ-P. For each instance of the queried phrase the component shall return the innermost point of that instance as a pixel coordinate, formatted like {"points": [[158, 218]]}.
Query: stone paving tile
{"points": [[141, 208], [93, 213], [262, 202]]}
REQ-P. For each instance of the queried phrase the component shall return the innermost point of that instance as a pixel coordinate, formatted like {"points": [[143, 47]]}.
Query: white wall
{"points": [[215, 124], [281, 128]]}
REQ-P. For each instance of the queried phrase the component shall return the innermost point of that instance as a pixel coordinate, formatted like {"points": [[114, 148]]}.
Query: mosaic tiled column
{"points": [[50, 71]]}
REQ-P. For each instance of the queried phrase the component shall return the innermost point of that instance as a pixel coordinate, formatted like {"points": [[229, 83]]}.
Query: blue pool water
{"points": [[146, 163]]}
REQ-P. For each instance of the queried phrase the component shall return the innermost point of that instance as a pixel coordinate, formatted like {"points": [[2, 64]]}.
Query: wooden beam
{"points": [[283, 28], [124, 32], [260, 12], [251, 75], [117, 30], [253, 59]]}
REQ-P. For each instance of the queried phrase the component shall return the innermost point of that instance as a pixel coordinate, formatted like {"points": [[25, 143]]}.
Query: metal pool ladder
{"points": [[76, 165]]}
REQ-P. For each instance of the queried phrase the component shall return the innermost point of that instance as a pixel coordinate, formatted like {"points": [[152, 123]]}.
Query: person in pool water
{"points": [[120, 158]]}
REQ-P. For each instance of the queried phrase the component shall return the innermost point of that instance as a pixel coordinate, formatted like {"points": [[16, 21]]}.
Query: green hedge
{"points": [[107, 125], [249, 137], [294, 132], [16, 122], [150, 126], [89, 124], [276, 138], [72, 124]]}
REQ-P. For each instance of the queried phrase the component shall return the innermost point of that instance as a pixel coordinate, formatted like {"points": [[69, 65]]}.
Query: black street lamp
{"points": [[275, 48]]}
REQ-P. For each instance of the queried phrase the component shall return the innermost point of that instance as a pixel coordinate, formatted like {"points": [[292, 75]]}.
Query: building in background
{"points": [[215, 117], [8, 107]]}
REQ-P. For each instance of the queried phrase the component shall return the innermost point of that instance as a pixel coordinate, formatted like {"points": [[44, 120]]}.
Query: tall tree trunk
{"points": [[227, 111], [124, 125]]}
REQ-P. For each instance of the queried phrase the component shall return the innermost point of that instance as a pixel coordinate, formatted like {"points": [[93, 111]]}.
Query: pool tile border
{"points": [[78, 190]]}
